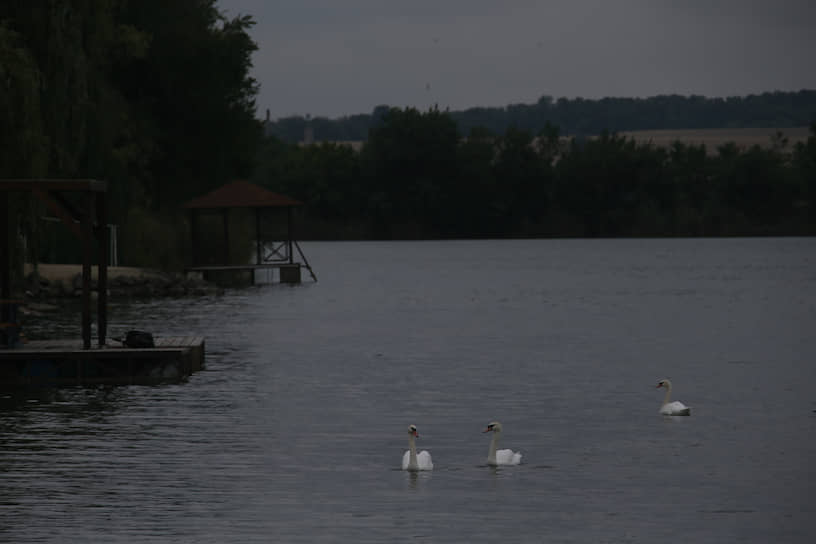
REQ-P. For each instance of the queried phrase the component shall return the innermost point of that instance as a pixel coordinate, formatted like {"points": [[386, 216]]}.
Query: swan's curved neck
{"points": [[491, 453], [668, 394], [412, 459]]}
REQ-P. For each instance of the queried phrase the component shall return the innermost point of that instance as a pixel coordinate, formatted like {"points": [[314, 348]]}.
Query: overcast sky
{"points": [[342, 57]]}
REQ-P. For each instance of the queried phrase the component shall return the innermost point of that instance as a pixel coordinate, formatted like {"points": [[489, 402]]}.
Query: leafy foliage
{"points": [[153, 96], [417, 178]]}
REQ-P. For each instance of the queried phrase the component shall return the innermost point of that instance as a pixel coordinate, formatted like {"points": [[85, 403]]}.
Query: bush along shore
{"points": [[154, 285]]}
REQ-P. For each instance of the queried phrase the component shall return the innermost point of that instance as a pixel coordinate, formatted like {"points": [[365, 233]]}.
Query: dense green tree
{"points": [[525, 182], [23, 142], [415, 179], [153, 96], [325, 177], [193, 83], [476, 208], [804, 168], [409, 163], [689, 179]]}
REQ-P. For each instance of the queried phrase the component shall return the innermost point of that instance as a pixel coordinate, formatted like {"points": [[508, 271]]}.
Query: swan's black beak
{"points": [[487, 430]]}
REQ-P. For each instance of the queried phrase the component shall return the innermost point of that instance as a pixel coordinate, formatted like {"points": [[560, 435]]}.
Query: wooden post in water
{"points": [[257, 236], [103, 236], [194, 235], [86, 220], [5, 259]]}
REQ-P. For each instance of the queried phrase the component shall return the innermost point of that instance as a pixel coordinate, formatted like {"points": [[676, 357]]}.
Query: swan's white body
{"points": [[500, 457], [669, 408], [410, 459]]}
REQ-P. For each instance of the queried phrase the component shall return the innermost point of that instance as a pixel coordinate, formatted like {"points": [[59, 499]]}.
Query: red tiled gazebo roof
{"points": [[242, 194]]}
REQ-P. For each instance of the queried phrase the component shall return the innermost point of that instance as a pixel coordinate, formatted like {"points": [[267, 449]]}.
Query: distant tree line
{"points": [[581, 117], [417, 177]]}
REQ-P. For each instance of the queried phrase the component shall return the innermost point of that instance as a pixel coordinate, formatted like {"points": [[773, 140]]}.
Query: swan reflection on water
{"points": [[413, 476]]}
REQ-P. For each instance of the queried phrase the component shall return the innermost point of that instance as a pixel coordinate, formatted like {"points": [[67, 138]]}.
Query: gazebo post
{"points": [[289, 233], [257, 236]]}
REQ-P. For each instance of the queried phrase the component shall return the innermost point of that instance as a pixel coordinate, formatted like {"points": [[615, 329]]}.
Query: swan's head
{"points": [[664, 383], [494, 426], [412, 430]]}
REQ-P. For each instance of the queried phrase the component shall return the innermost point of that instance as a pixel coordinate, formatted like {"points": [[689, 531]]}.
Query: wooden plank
{"points": [[118, 366], [238, 267], [172, 344]]}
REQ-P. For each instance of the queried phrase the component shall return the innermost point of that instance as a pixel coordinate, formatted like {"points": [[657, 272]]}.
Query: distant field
{"points": [[714, 137]]}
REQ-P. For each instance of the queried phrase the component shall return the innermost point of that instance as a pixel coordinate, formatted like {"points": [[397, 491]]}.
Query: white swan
{"points": [[500, 457], [410, 459], [675, 408]]}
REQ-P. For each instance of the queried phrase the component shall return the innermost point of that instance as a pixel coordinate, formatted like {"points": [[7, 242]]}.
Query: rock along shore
{"points": [[52, 281]]}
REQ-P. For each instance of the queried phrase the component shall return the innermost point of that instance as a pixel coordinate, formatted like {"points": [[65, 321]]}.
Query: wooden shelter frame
{"points": [[241, 194], [86, 220]]}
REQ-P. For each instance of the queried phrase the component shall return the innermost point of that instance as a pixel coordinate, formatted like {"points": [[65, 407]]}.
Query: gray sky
{"points": [[342, 57]]}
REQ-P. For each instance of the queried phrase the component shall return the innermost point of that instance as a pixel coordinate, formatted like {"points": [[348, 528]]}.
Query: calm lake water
{"points": [[296, 429]]}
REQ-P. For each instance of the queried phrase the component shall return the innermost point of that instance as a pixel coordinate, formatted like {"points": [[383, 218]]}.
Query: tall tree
{"points": [[194, 86], [409, 163]]}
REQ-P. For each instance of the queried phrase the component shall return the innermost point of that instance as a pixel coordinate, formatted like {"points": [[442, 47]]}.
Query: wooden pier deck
{"points": [[64, 362]]}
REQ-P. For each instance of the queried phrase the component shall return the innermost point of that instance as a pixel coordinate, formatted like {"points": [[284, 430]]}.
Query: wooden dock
{"points": [[64, 363]]}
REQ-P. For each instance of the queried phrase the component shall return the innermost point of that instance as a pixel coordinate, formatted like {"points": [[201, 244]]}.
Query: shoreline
{"points": [[67, 272], [61, 281]]}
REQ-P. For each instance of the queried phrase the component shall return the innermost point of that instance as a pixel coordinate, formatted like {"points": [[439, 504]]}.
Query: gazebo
{"points": [[268, 254]]}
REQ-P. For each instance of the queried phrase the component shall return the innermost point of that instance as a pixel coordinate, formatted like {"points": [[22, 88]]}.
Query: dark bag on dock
{"points": [[139, 339]]}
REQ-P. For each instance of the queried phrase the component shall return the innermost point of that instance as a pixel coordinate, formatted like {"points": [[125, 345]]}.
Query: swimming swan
{"points": [[675, 408], [500, 457], [412, 461]]}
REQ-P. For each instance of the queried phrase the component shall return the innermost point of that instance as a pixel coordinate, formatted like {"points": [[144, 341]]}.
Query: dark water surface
{"points": [[295, 430]]}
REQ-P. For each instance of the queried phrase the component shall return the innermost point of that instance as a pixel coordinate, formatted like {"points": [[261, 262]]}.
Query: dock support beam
{"points": [[5, 259], [86, 221], [194, 235], [289, 236], [103, 235]]}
